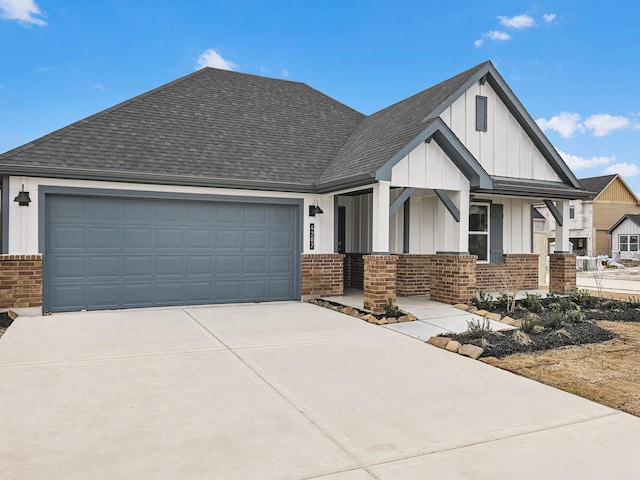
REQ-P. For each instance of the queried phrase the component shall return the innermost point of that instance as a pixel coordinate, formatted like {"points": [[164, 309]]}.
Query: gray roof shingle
{"points": [[596, 184], [212, 123]]}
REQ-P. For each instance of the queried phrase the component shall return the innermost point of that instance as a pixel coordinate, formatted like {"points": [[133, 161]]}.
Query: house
{"points": [[227, 187], [590, 219], [625, 235]]}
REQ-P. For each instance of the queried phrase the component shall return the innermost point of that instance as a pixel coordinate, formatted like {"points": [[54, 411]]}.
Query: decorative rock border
{"points": [[489, 315], [367, 316], [446, 343]]}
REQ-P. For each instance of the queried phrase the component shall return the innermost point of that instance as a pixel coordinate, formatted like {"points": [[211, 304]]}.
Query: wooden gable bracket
{"points": [[404, 196], [554, 211], [448, 203]]}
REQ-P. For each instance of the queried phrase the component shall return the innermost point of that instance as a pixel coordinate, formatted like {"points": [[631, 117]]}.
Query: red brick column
{"points": [[322, 274], [453, 278], [414, 274], [562, 273], [20, 281], [379, 281]]}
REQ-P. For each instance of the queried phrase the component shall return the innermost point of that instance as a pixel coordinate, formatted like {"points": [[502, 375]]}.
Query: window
{"points": [[481, 113], [628, 243], [572, 212], [479, 231]]}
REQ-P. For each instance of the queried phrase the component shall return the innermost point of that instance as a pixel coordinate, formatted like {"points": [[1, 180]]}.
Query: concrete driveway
{"points": [[281, 391]]}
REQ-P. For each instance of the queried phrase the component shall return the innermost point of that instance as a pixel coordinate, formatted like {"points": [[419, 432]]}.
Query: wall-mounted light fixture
{"points": [[23, 198], [314, 209]]}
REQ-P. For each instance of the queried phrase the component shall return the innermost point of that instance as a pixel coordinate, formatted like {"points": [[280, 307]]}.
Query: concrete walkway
{"points": [[281, 391], [434, 318]]}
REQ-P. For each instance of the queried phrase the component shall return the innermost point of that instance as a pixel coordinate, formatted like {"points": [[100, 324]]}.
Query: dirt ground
{"points": [[607, 372]]}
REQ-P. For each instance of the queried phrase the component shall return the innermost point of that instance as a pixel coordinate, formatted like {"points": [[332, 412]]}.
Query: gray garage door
{"points": [[103, 252]]}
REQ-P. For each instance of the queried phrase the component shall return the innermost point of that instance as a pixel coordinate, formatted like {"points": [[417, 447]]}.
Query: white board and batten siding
{"points": [[627, 227], [505, 149], [423, 234], [427, 166]]}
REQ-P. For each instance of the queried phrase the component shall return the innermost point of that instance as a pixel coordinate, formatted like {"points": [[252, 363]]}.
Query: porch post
{"points": [[380, 223], [562, 231]]}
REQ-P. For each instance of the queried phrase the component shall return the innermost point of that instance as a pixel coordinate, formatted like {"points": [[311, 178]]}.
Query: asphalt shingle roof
{"points": [[212, 123], [596, 184]]}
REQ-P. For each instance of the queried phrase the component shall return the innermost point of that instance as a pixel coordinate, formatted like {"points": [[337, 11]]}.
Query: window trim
{"points": [[481, 113], [487, 233], [629, 240]]}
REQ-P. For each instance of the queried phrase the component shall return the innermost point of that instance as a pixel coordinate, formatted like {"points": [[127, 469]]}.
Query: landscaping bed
{"points": [[546, 323]]}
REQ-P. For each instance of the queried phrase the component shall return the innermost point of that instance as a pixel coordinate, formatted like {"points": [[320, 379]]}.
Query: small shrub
{"points": [[583, 298], [530, 323], [484, 301], [562, 304], [555, 320], [532, 302], [521, 337], [574, 316], [479, 328], [392, 310], [504, 301]]}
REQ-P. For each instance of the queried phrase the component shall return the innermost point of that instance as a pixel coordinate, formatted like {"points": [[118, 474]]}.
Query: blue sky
{"points": [[573, 64]]}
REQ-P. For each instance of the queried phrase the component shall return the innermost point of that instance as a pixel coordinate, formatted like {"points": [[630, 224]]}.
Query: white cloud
{"points": [[624, 169], [492, 35], [603, 124], [549, 17], [566, 124], [518, 21], [575, 162], [97, 85], [285, 73], [24, 11], [211, 58]]}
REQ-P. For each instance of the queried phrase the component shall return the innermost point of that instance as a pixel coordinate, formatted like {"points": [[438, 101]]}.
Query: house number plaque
{"points": [[312, 236]]}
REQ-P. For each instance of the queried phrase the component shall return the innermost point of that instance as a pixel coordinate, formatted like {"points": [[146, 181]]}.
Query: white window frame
{"points": [[630, 239], [487, 233]]}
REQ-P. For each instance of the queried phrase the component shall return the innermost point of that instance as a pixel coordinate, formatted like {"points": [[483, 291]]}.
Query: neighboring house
{"points": [[227, 187], [589, 219], [625, 238]]}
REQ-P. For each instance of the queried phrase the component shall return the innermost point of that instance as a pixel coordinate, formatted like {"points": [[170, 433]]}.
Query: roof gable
{"points": [[632, 218]]}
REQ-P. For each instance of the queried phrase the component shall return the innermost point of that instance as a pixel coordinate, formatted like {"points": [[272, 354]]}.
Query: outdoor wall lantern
{"points": [[23, 198], [315, 209]]}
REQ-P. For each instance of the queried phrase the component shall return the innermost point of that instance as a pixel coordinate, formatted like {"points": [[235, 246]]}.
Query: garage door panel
{"points": [[66, 237], [228, 265], [102, 266], [67, 266], [115, 252], [200, 239], [138, 211], [170, 265], [281, 264], [170, 238], [171, 212], [137, 266], [228, 239], [137, 294], [137, 238], [255, 239], [255, 264], [102, 295], [100, 238], [200, 264], [281, 240]]}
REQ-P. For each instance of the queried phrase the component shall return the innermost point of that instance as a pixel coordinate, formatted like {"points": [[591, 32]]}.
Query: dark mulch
{"points": [[500, 344], [5, 322]]}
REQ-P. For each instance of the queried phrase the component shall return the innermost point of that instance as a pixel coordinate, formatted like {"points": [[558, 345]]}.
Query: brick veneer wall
{"points": [[453, 278], [379, 281], [518, 270], [20, 281], [354, 270], [322, 274], [414, 274], [562, 273]]}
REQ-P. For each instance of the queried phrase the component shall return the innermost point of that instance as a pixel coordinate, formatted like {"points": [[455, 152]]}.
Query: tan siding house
{"points": [[591, 219]]}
